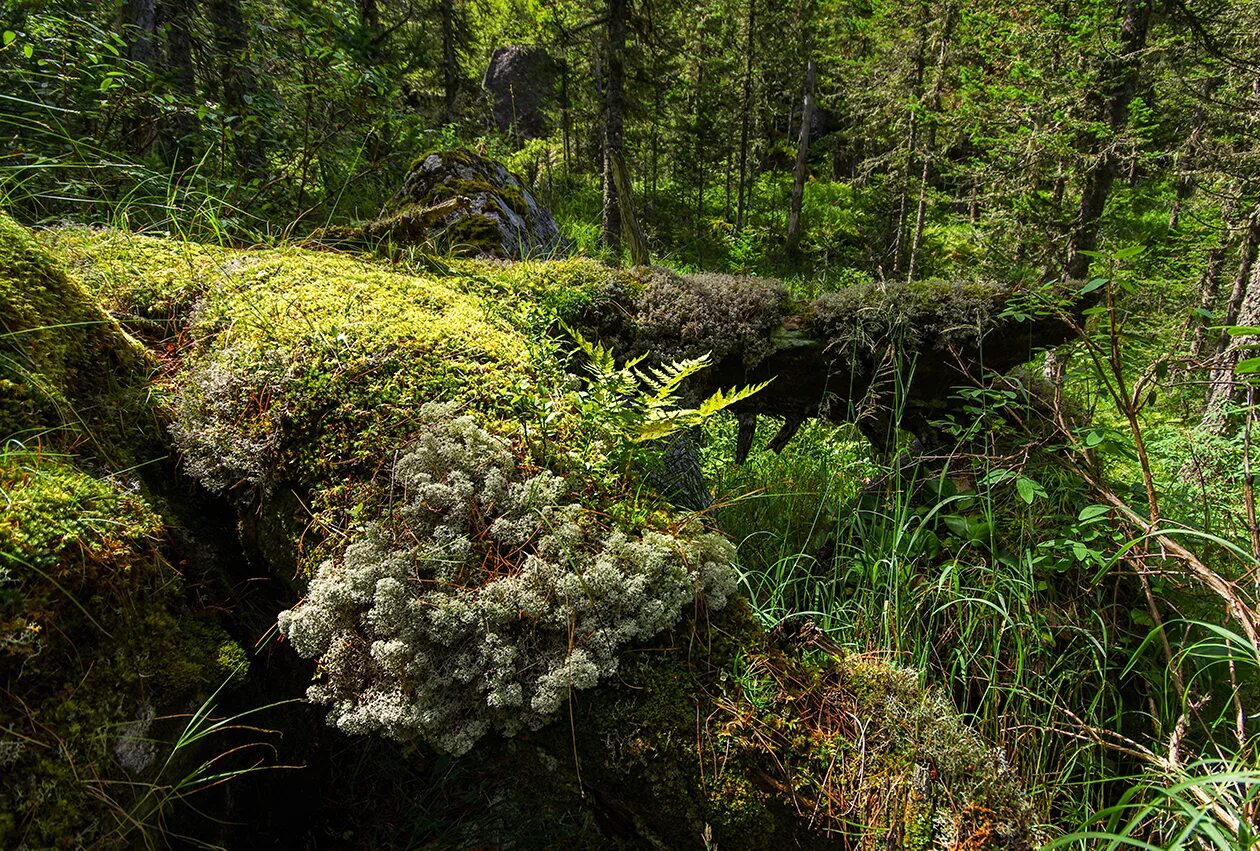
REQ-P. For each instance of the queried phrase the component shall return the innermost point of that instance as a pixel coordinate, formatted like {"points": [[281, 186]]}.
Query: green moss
{"points": [[91, 637], [93, 631], [766, 742], [299, 376], [148, 284], [929, 314], [66, 368]]}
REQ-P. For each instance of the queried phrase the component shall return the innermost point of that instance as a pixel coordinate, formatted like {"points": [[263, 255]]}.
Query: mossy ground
{"points": [[727, 737]]}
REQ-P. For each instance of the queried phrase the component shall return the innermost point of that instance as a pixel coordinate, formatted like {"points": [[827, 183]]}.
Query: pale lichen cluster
{"points": [[685, 316], [484, 597]]}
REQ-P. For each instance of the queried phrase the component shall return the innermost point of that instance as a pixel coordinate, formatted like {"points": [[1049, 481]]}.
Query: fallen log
{"points": [[877, 355]]}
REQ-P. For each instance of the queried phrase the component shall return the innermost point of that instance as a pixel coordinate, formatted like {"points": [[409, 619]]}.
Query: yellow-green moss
{"points": [[69, 376], [297, 372], [148, 284], [776, 743], [93, 630]]}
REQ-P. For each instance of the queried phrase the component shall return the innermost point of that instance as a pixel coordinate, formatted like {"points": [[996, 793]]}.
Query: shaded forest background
{"points": [[833, 145]]}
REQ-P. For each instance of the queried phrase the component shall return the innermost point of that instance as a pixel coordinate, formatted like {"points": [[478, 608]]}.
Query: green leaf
{"points": [[1092, 512], [1129, 252], [996, 477], [1093, 439], [28, 50], [1029, 489], [9, 37], [1248, 366], [1096, 283]]}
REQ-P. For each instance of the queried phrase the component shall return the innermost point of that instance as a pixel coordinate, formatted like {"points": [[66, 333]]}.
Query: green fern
{"points": [[644, 405]]}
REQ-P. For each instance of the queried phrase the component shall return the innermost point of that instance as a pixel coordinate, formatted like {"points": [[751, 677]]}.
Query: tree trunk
{"points": [[934, 106], [802, 161], [629, 221], [1225, 388], [1119, 80], [236, 81], [450, 68], [566, 117], [177, 17], [139, 28], [1209, 283], [745, 118], [1246, 260], [614, 112], [912, 142]]}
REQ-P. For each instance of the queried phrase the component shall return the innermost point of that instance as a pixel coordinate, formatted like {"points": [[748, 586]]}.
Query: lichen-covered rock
{"points": [[461, 203]]}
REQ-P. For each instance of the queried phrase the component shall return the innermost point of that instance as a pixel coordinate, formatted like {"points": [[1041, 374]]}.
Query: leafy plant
{"points": [[641, 405]]}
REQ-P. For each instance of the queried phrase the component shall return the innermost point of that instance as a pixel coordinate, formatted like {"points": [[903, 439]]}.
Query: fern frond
{"points": [[601, 362], [724, 399], [660, 423], [663, 382]]}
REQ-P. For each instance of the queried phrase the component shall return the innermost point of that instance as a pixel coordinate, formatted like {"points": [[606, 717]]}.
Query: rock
{"points": [[466, 204], [519, 79]]}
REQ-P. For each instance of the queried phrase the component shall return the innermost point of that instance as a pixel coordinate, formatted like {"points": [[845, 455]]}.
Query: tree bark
{"points": [[802, 161], [745, 118], [450, 66], [934, 105], [236, 81], [629, 221], [614, 113], [139, 29], [1225, 388], [176, 16], [1119, 81]]}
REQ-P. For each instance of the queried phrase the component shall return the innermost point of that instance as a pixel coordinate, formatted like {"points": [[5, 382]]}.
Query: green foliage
{"points": [[641, 405]]}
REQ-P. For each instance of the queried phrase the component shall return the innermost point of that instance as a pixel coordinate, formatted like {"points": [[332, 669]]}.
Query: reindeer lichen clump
{"points": [[484, 597]]}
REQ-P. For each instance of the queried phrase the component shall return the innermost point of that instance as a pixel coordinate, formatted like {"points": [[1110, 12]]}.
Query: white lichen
{"points": [[483, 599]]}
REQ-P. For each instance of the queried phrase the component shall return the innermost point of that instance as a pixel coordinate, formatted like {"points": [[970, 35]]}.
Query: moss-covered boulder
{"points": [[98, 645], [458, 202], [68, 373], [482, 557]]}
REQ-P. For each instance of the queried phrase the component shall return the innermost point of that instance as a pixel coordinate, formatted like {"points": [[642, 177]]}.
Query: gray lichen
{"points": [[484, 598], [685, 316]]}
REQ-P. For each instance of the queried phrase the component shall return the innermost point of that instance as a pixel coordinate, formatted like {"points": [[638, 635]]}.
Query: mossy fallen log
{"points": [[878, 355], [490, 573], [99, 646]]}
